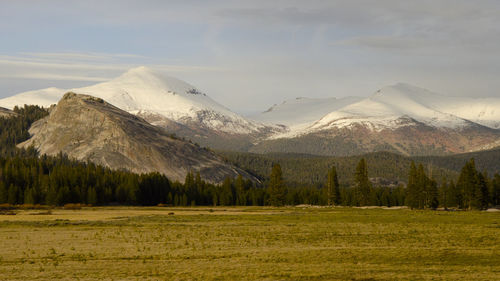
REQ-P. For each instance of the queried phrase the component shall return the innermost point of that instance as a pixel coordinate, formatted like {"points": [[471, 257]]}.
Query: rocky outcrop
{"points": [[90, 129]]}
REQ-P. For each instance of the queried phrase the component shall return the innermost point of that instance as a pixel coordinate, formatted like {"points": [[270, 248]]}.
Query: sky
{"points": [[249, 55]]}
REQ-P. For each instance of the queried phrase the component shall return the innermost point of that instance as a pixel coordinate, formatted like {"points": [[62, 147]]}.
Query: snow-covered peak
{"points": [[392, 103], [153, 80], [301, 110], [143, 90]]}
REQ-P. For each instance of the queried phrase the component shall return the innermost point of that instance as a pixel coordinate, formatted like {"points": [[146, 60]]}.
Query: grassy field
{"points": [[249, 243]]}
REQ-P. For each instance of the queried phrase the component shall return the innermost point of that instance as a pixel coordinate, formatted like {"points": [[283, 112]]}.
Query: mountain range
{"points": [[400, 118]]}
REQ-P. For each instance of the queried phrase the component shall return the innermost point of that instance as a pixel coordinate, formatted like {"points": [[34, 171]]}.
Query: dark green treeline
{"points": [[59, 180]]}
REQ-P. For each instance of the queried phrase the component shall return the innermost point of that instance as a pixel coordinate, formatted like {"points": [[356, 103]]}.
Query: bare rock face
{"points": [[4, 112], [88, 128]]}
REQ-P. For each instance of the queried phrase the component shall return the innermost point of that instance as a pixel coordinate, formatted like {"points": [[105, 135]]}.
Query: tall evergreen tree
{"points": [[241, 192], [362, 184], [277, 188], [226, 193], [473, 187], [431, 192], [332, 187]]}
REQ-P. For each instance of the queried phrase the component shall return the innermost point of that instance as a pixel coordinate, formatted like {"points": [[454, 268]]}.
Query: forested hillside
{"points": [[299, 169], [14, 129]]}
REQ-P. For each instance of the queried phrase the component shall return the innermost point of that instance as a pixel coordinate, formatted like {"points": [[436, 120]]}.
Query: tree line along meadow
{"points": [[26, 178]]}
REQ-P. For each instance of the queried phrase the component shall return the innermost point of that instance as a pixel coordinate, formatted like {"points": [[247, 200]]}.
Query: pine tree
{"points": [[363, 185], [241, 192], [277, 188], [480, 199], [226, 193], [431, 191], [332, 187], [473, 187]]}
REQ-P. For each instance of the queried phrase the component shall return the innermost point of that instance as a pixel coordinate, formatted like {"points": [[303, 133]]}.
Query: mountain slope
{"points": [[88, 128], [44, 97]]}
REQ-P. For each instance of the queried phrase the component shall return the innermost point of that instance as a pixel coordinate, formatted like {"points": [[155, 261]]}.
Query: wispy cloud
{"points": [[82, 66], [49, 76], [47, 64], [81, 55]]}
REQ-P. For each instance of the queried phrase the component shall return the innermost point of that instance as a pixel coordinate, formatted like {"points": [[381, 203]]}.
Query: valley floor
{"points": [[250, 243]]}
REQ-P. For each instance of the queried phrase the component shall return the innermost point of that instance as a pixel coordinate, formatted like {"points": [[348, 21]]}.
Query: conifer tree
{"points": [[473, 187], [277, 188], [332, 187], [431, 192], [241, 196], [226, 193], [363, 185]]}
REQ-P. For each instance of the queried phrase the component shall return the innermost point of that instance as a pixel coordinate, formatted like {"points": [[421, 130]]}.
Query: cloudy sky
{"points": [[249, 55]]}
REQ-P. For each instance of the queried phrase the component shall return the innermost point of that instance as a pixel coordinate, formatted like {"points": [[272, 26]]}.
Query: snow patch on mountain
{"points": [[44, 97]]}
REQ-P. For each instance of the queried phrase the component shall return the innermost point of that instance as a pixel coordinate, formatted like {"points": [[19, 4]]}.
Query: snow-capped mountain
{"points": [[401, 118], [144, 92], [300, 111], [388, 106]]}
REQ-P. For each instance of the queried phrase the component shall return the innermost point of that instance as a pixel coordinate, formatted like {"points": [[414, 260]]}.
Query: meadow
{"points": [[249, 243]]}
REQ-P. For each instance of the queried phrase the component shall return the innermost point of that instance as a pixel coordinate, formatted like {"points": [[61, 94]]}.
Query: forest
{"points": [[30, 179]]}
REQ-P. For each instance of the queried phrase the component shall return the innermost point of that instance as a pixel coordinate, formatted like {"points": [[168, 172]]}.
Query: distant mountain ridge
{"points": [[399, 118]]}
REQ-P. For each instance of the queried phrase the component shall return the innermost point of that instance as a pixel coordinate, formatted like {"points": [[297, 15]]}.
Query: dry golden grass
{"points": [[118, 243]]}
